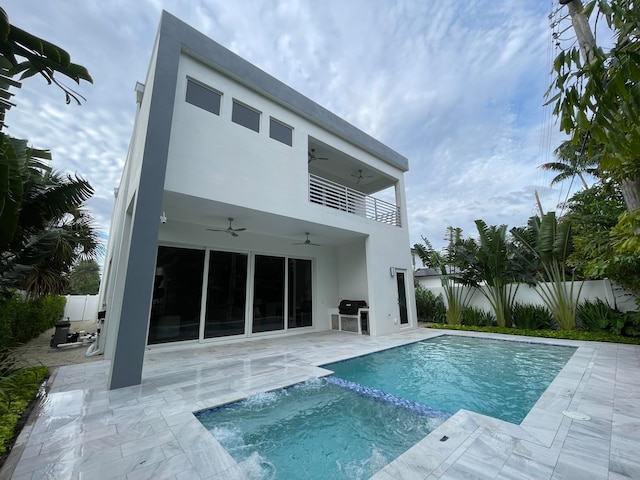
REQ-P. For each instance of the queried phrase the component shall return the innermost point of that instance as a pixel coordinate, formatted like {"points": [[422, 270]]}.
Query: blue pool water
{"points": [[375, 407], [501, 379], [318, 430]]}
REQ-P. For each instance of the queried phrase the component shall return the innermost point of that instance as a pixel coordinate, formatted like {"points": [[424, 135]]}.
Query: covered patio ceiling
{"points": [[213, 214], [332, 164]]}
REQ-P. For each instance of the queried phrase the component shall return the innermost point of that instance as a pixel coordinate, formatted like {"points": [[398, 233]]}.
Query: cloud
{"points": [[457, 87]]}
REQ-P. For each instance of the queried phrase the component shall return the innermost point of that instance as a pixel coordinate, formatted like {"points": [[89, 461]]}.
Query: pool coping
{"points": [[150, 431], [544, 425]]}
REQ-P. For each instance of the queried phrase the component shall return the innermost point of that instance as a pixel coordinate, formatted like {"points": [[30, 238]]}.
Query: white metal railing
{"points": [[333, 195]]}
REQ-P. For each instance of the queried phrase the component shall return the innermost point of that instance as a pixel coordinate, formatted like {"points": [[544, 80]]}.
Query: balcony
{"points": [[333, 195]]}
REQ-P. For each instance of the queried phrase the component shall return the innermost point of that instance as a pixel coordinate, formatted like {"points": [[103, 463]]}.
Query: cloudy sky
{"points": [[455, 86]]}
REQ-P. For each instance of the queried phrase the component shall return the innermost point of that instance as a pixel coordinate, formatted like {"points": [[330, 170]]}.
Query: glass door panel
{"points": [[299, 293], [268, 294], [177, 293], [226, 294]]}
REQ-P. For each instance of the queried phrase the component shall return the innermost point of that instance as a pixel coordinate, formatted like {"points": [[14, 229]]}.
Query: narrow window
{"points": [[245, 116], [203, 97], [280, 132]]}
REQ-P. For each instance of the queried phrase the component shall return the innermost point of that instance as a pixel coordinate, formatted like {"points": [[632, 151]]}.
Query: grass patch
{"points": [[564, 334], [17, 390]]}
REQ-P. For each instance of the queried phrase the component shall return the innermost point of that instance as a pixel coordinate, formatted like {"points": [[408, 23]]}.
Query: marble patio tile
{"points": [[626, 465], [76, 437], [130, 448], [542, 425], [163, 470], [572, 468], [55, 465], [547, 456], [518, 467]]}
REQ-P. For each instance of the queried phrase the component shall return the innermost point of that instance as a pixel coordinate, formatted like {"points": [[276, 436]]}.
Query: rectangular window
{"points": [[203, 97], [226, 294], [177, 291], [299, 294], [268, 294], [245, 116], [280, 132]]}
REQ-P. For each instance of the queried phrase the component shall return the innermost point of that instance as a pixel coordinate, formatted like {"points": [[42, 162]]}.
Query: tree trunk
{"points": [[631, 193]]}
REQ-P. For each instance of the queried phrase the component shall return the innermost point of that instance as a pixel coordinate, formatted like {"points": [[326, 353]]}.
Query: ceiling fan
{"points": [[360, 176], [230, 230], [312, 156], [307, 241]]}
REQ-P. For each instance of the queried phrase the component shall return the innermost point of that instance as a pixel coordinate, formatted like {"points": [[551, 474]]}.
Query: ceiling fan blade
{"points": [[238, 229], [216, 230]]}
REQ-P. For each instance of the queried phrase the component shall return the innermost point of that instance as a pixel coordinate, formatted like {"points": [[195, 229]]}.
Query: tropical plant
{"points": [[495, 270], [429, 306], [84, 278], [532, 317], [571, 161], [597, 98], [595, 316], [549, 241], [26, 54], [449, 263], [474, 316], [44, 229], [593, 213]]}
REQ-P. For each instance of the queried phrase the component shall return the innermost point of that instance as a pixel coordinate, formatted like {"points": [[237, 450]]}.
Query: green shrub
{"points": [[532, 317], [632, 324], [474, 316], [17, 390], [429, 307], [23, 319], [598, 316]]}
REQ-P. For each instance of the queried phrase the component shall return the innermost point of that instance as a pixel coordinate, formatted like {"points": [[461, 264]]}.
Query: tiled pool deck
{"points": [[84, 431]]}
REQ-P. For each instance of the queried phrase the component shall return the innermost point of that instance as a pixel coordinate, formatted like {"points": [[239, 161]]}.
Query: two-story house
{"points": [[246, 210]]}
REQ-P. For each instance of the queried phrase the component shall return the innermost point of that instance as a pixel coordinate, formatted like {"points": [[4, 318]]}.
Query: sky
{"points": [[455, 86]]}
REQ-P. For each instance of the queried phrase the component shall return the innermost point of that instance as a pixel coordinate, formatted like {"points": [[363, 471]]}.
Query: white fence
{"points": [[591, 290], [81, 307]]}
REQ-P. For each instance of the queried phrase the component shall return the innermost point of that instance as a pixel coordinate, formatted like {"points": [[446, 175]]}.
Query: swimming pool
{"points": [[375, 407], [501, 379], [317, 430]]}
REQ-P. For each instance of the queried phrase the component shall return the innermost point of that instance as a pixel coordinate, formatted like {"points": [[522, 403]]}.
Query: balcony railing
{"points": [[333, 195]]}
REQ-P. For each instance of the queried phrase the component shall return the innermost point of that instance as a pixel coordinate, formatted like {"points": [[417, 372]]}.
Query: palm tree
{"points": [[572, 161], [43, 227]]}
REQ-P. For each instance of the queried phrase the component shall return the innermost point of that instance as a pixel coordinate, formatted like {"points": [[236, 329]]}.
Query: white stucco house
{"points": [[246, 210]]}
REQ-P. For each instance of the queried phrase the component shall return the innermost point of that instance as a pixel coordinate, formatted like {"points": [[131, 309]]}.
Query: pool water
{"points": [[318, 430], [501, 379], [375, 407]]}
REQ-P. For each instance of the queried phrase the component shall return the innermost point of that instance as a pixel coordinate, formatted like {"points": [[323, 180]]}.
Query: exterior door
{"points": [[402, 298]]}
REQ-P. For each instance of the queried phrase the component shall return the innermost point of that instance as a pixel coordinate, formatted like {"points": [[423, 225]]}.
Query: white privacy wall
{"points": [[587, 290], [81, 307]]}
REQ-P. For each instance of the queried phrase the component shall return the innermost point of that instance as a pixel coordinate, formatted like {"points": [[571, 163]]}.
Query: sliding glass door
{"points": [[299, 293], [282, 288], [177, 294], [226, 294], [268, 294]]}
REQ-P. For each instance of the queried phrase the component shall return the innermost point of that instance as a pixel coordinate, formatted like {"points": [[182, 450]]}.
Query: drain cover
{"points": [[576, 415]]}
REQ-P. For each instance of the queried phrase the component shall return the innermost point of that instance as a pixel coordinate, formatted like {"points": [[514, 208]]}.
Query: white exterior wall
{"points": [[241, 167], [117, 258], [211, 167]]}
